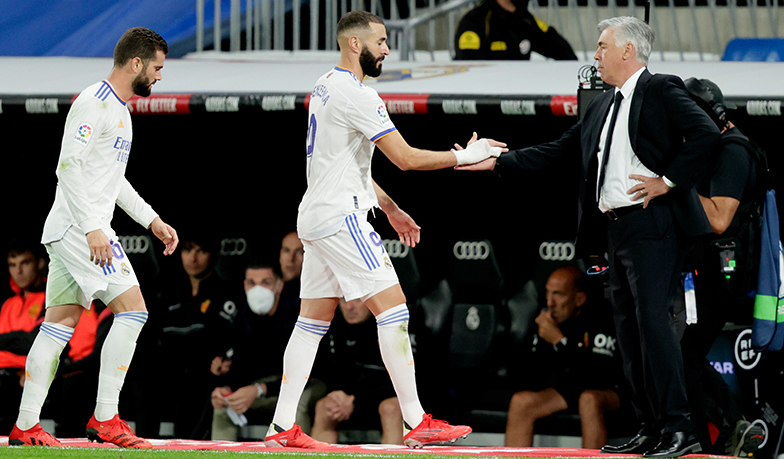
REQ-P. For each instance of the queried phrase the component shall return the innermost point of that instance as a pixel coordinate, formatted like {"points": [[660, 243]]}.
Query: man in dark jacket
{"points": [[575, 360], [637, 196], [504, 29]]}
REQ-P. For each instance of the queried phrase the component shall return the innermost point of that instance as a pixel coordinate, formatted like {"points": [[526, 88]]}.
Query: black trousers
{"points": [[645, 264]]}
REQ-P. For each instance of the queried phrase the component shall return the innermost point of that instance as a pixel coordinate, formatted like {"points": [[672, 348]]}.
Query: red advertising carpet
{"points": [[478, 451]]}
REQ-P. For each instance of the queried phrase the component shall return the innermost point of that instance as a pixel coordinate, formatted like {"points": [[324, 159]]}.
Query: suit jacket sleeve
{"points": [[700, 134], [542, 156]]}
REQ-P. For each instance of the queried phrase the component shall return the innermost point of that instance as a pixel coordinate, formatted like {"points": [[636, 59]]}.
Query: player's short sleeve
{"points": [[368, 114], [731, 173]]}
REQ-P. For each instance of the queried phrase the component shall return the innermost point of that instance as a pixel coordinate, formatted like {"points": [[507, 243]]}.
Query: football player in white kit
{"points": [[86, 260], [344, 256]]}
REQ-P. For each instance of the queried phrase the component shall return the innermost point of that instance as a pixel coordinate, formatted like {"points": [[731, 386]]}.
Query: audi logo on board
{"points": [[135, 244], [395, 248], [233, 247], [471, 250], [560, 251]]}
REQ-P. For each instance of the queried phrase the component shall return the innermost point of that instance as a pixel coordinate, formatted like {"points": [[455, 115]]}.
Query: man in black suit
{"points": [[643, 147]]}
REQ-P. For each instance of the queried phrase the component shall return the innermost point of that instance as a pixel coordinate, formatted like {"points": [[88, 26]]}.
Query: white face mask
{"points": [[261, 299]]}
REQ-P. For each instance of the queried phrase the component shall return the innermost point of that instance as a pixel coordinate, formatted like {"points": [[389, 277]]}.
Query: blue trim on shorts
{"points": [[362, 245]]}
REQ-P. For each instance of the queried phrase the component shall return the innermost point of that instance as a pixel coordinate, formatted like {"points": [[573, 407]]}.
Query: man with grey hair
{"points": [[642, 147]]}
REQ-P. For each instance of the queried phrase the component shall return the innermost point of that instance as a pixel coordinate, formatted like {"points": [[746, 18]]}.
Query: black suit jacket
{"points": [[669, 133]]}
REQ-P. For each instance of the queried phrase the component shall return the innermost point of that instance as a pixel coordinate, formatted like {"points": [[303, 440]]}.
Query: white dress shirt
{"points": [[622, 161]]}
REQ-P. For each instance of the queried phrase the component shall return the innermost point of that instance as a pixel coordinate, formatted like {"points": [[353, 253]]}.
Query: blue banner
{"points": [[767, 328]]}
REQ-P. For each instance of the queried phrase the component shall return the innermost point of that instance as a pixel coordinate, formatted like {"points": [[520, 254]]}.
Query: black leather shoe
{"points": [[675, 444], [637, 445]]}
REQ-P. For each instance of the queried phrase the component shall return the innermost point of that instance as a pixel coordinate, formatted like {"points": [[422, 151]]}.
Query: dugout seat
{"points": [[233, 259], [754, 50], [478, 324]]}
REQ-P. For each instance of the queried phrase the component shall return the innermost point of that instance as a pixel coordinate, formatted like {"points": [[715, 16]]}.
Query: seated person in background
{"points": [[290, 260], [360, 390], [20, 317], [575, 359], [257, 364], [198, 311], [505, 29]]}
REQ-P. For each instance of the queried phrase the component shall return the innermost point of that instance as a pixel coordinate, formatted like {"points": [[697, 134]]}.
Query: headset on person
{"points": [[708, 96]]}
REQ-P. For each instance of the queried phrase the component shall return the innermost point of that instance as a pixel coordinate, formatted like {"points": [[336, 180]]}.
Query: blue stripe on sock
{"points": [[315, 329], [133, 316], [397, 317], [56, 333]]}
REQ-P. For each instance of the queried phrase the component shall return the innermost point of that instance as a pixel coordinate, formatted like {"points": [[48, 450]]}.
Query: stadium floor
{"points": [[471, 451]]}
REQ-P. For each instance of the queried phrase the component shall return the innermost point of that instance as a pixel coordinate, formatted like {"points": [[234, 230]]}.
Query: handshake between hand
{"points": [[478, 151]]}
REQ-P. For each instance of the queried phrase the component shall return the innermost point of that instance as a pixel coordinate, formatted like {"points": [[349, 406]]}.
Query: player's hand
{"points": [[650, 188], [242, 398], [548, 329], [478, 150], [405, 226], [217, 397], [166, 234], [100, 248], [486, 165]]}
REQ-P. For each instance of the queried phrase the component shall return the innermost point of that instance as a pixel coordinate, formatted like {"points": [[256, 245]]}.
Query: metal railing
{"points": [[689, 32]]}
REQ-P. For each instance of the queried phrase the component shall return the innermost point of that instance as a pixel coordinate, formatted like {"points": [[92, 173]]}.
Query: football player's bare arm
{"points": [[406, 157]]}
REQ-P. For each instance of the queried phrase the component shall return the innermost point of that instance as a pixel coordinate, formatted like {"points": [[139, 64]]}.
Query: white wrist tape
{"points": [[477, 151]]}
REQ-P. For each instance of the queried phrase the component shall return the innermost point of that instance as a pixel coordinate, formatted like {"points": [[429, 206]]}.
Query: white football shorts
{"points": [[351, 264], [74, 279]]}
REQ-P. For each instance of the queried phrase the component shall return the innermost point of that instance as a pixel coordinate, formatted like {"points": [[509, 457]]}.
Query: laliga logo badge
{"points": [[746, 357]]}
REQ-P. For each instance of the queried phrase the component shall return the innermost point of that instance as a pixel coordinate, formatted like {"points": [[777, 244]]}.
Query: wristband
{"points": [[259, 390]]}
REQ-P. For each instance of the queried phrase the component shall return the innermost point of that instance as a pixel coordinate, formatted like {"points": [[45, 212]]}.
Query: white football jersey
{"points": [[91, 168], [345, 119]]}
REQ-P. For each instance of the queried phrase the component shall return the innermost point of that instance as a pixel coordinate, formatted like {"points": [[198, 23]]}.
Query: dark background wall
{"points": [[242, 175]]}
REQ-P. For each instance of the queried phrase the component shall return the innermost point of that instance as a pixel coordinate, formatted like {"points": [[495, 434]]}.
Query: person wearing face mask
{"points": [[256, 367]]}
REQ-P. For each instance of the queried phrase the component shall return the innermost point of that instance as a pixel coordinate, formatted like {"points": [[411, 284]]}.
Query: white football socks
{"points": [[297, 363], [396, 352], [40, 369], [116, 357]]}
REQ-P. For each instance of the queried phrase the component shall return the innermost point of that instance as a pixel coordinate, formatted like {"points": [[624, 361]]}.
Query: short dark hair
{"points": [[138, 42], [357, 20], [19, 246], [256, 263]]}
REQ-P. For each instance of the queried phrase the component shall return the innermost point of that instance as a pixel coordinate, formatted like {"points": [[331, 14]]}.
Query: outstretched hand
{"points": [[484, 165], [478, 150]]}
